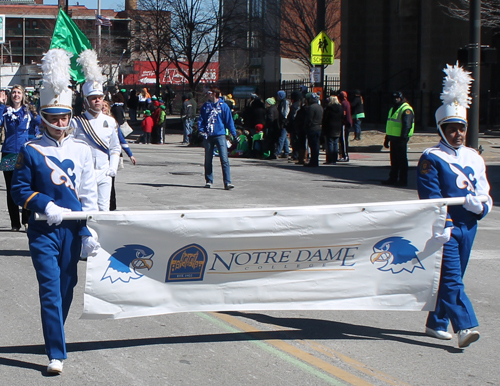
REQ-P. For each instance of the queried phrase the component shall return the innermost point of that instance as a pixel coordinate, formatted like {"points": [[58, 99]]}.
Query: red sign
{"points": [[144, 73]]}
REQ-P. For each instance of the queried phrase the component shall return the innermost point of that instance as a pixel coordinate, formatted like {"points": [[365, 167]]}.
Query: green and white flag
{"points": [[68, 36]]}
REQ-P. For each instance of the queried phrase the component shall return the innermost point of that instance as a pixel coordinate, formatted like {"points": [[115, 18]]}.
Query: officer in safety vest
{"points": [[399, 129]]}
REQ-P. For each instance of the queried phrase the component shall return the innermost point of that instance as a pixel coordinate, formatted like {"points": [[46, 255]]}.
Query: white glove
{"points": [[473, 204], [90, 245], [111, 172], [54, 213], [444, 237]]}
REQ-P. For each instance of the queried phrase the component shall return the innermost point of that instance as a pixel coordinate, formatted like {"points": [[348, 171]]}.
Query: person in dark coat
{"points": [[346, 125], [292, 123], [133, 104], [313, 120], [358, 112], [332, 128]]}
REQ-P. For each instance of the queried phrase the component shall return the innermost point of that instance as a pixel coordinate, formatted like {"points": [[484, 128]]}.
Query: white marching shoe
{"points": [[466, 337], [439, 334], [55, 366]]}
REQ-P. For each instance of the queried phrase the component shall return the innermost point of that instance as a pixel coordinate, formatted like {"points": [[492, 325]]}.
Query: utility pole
{"points": [[474, 59], [320, 26]]}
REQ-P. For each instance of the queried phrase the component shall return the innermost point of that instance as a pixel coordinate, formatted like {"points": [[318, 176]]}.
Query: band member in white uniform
{"points": [[97, 129]]}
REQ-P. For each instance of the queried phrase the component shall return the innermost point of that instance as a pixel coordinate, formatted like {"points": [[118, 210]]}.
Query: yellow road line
{"points": [[296, 352], [354, 363]]}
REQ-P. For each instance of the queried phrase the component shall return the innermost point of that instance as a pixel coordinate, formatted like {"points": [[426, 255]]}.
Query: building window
{"points": [[34, 24]]}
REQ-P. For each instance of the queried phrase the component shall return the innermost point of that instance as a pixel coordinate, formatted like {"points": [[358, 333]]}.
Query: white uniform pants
{"points": [[103, 189]]}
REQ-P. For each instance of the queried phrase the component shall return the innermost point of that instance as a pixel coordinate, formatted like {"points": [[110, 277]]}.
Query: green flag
{"points": [[68, 36]]}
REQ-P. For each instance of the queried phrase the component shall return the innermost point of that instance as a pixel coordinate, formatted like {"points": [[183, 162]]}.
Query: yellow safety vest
{"points": [[394, 124]]}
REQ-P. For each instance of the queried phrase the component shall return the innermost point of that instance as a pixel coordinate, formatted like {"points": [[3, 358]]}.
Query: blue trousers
{"points": [[187, 124], [452, 303], [55, 252], [210, 143]]}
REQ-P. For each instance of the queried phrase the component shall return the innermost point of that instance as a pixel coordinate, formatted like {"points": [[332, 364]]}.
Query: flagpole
{"points": [[99, 29]]}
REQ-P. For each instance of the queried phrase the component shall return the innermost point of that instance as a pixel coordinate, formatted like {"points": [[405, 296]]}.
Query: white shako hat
{"points": [[455, 97], [55, 95], [93, 73]]}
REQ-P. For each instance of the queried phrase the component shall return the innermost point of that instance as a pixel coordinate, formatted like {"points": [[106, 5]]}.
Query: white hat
{"points": [[92, 87], [55, 94], [455, 97], [93, 73]]}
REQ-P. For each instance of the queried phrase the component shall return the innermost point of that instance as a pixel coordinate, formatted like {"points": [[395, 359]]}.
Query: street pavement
{"points": [[254, 348]]}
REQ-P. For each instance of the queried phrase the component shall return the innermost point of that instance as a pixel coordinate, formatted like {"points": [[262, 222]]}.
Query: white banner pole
{"points": [[272, 211]]}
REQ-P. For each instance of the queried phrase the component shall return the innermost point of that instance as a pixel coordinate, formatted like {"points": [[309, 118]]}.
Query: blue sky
{"points": [[117, 5]]}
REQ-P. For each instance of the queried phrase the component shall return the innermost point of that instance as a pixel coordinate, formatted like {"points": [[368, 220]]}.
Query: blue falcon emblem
{"points": [[396, 254], [126, 262]]}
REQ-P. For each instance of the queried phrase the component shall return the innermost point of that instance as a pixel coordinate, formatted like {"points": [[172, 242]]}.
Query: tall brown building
{"points": [[401, 45]]}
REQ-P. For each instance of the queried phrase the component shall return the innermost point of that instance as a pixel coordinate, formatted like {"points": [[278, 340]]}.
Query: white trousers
{"points": [[103, 189]]}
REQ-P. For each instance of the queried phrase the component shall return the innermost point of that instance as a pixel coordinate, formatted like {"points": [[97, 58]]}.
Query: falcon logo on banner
{"points": [[396, 255], [127, 262]]}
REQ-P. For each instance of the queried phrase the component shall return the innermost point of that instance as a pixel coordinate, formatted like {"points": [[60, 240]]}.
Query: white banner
{"points": [[378, 256]]}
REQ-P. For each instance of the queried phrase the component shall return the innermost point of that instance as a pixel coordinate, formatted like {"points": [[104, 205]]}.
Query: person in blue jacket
{"points": [[215, 117], [452, 170], [54, 174], [20, 127]]}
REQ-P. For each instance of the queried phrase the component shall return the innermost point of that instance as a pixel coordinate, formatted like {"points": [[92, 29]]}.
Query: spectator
{"points": [[147, 126], [312, 124], [215, 117], [19, 126], [133, 104], [283, 110], [358, 113], [346, 125], [332, 128], [271, 128]]}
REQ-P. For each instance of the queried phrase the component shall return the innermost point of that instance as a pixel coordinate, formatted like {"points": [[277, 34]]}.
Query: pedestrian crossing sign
{"points": [[322, 49]]}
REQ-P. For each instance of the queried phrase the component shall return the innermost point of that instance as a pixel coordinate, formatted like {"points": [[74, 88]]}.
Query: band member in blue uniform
{"points": [[452, 170], [53, 175]]}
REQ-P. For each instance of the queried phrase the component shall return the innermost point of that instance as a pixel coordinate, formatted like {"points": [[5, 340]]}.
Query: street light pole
{"points": [[474, 59], [320, 26]]}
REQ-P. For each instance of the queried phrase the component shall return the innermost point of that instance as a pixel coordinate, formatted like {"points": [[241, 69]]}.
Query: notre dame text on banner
{"points": [[377, 256]]}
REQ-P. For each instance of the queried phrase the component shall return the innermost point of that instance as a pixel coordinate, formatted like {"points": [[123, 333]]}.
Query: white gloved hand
{"points": [[444, 237], [90, 245], [473, 204], [54, 213], [111, 172]]}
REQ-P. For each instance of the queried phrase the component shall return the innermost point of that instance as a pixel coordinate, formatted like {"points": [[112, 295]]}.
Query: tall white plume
{"points": [[456, 86], [88, 60], [55, 66]]}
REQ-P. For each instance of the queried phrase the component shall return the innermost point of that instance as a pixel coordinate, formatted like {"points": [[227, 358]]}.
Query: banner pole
{"points": [[272, 211]]}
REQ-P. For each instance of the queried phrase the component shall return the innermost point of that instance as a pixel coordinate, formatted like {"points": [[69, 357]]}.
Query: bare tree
{"points": [[195, 35], [490, 11], [297, 27], [152, 33]]}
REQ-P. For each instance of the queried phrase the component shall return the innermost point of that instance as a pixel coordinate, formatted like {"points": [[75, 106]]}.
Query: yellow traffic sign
{"points": [[322, 51]]}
